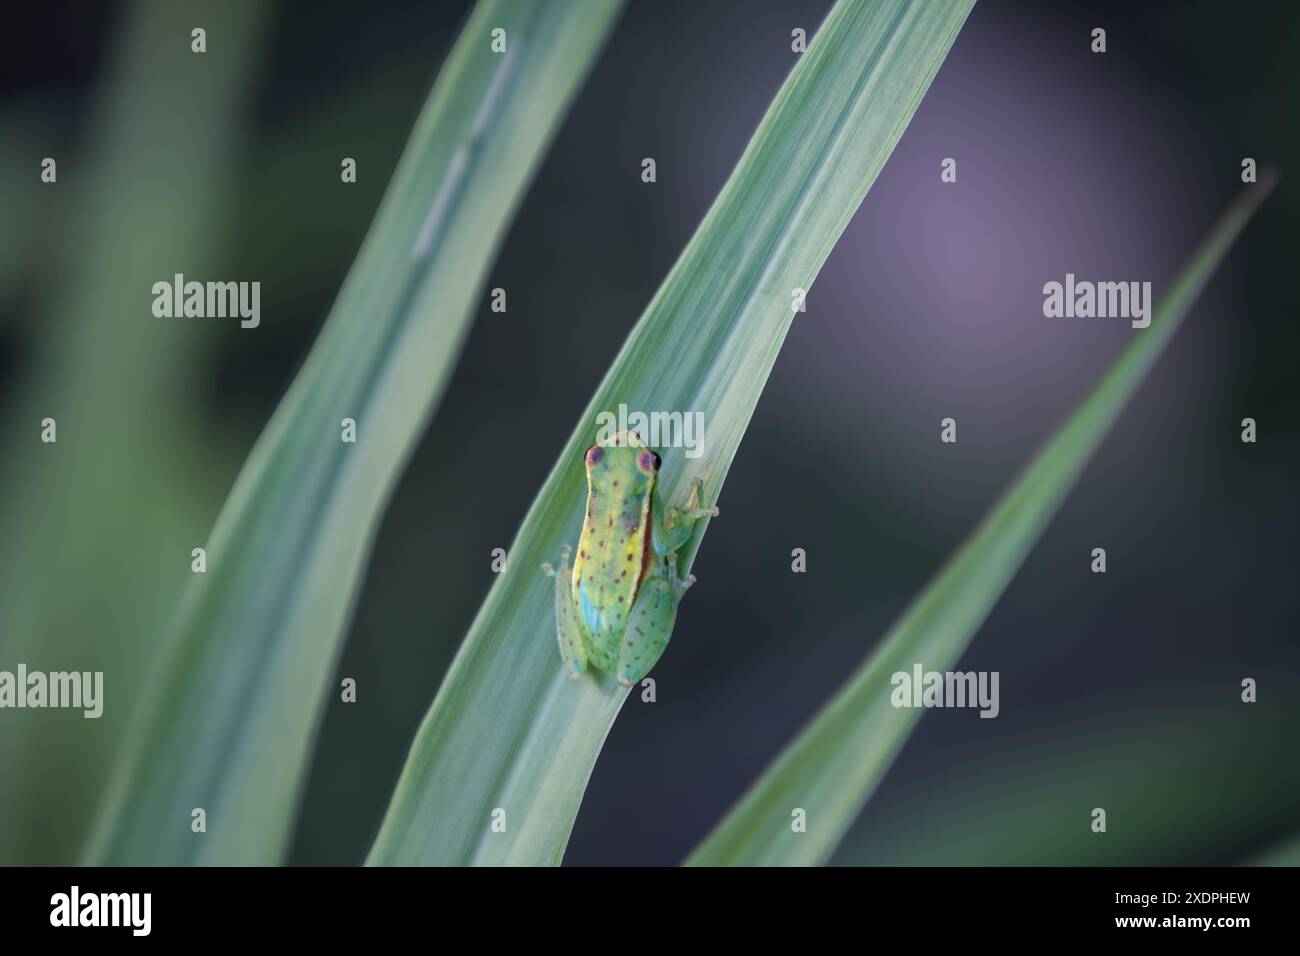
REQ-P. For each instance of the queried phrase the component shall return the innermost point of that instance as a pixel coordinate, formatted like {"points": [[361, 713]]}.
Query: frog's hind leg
{"points": [[567, 629], [651, 623]]}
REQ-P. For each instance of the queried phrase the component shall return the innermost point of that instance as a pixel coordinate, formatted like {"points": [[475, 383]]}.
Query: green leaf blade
{"points": [[508, 730], [835, 764], [230, 715]]}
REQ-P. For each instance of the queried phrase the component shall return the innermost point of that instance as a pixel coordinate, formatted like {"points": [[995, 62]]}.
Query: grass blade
{"points": [[1014, 801], [508, 729], [831, 769], [228, 721]]}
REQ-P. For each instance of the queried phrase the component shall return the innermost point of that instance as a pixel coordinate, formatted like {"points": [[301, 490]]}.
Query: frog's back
{"points": [[614, 548]]}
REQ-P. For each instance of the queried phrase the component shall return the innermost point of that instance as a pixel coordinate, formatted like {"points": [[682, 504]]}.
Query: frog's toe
{"points": [[693, 508], [625, 680], [549, 569], [575, 661]]}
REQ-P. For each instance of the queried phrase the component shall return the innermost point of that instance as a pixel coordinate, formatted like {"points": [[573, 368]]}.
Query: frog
{"points": [[615, 610]]}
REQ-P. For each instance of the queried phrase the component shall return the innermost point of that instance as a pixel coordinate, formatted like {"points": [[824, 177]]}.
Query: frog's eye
{"points": [[594, 455], [648, 461]]}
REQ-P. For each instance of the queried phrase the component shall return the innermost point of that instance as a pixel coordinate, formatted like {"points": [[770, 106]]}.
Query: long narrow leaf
{"points": [[1163, 807], [508, 730], [229, 719], [831, 769]]}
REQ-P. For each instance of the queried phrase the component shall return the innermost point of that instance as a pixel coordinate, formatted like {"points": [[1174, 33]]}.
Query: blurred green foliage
{"points": [[95, 530]]}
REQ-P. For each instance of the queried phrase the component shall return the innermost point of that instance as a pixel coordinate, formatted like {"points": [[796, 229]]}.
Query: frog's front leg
{"points": [[568, 628], [651, 623], [674, 527]]}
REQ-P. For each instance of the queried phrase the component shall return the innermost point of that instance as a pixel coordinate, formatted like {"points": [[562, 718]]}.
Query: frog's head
{"points": [[623, 461]]}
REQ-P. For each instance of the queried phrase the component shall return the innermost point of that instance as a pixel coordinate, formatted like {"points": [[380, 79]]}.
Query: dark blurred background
{"points": [[1119, 690]]}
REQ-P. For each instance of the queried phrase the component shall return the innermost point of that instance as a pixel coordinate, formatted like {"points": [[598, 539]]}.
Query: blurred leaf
{"points": [[508, 729], [1177, 786], [229, 718], [1285, 854], [24, 249], [831, 769], [94, 529]]}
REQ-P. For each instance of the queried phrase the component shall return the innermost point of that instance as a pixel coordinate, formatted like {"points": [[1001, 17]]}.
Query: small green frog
{"points": [[616, 610]]}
